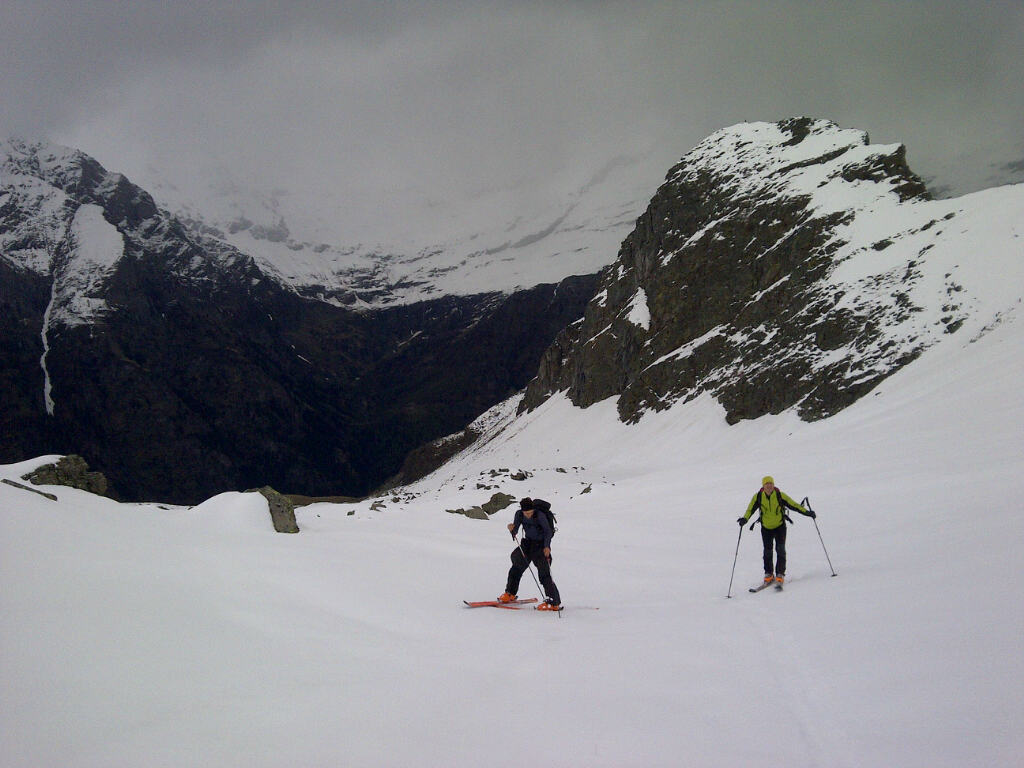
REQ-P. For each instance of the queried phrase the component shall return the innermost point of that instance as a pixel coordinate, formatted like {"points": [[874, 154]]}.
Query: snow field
{"points": [[141, 635]]}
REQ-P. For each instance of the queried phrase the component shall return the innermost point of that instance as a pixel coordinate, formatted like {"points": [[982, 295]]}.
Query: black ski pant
{"points": [[775, 537], [531, 551]]}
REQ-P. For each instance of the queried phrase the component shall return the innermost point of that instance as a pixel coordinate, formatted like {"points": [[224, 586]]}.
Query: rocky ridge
{"points": [[779, 266]]}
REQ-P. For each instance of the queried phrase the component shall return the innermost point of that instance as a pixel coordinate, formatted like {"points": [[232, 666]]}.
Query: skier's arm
{"points": [[516, 522], [750, 508], [793, 505]]}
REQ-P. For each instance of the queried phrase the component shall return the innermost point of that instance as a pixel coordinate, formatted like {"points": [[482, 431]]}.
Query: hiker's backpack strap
{"points": [[782, 506]]}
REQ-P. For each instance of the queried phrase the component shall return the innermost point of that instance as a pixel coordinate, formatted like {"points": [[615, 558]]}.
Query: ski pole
{"points": [[734, 558], [815, 519]]}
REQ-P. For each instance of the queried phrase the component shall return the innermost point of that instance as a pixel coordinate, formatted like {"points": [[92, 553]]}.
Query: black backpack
{"points": [[544, 508]]}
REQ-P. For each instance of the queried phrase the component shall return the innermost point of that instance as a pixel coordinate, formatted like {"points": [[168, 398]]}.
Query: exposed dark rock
{"points": [[721, 286], [498, 502], [24, 296], [454, 358], [13, 484], [72, 471], [475, 513], [282, 511], [421, 461]]}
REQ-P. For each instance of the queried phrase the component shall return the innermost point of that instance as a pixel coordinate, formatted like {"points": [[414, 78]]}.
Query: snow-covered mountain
{"points": [[785, 265], [405, 249], [180, 366], [295, 243], [780, 265], [145, 634]]}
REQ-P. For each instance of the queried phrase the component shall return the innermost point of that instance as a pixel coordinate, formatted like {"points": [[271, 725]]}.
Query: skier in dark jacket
{"points": [[772, 504], [535, 548]]}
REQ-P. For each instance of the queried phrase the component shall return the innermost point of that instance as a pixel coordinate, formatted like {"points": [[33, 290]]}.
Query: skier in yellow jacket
{"points": [[773, 504]]}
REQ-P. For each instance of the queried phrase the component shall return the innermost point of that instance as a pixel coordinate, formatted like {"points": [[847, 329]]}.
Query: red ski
{"points": [[514, 605]]}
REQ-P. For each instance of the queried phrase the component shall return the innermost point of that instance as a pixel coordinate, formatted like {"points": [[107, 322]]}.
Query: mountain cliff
{"points": [[180, 368], [780, 265]]}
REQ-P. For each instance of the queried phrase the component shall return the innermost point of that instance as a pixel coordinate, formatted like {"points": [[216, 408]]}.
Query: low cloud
{"points": [[442, 102]]}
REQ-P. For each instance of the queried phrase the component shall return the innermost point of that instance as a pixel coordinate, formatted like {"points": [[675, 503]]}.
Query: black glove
{"points": [[742, 521], [812, 513]]}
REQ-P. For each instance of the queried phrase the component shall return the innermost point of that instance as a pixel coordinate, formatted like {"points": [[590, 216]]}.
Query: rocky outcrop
{"points": [[71, 471], [730, 283], [498, 502], [495, 504], [282, 510]]}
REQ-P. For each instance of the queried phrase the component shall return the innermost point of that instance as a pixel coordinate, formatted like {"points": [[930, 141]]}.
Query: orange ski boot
{"points": [[548, 606]]}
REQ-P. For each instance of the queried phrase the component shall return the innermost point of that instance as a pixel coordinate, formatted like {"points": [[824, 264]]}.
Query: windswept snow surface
{"points": [[146, 635]]}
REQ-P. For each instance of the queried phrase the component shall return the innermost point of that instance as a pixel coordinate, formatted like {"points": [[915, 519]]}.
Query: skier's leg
{"points": [[780, 549], [544, 575], [767, 540], [515, 573]]}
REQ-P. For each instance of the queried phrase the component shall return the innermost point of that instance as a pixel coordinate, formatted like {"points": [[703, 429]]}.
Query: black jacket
{"points": [[536, 528]]}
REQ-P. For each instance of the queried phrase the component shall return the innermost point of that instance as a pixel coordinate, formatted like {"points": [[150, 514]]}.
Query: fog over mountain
{"points": [[414, 123]]}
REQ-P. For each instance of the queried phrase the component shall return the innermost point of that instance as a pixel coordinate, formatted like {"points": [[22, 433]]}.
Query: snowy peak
{"points": [[63, 216], [801, 156], [48, 227], [57, 165], [784, 265], [77, 175]]}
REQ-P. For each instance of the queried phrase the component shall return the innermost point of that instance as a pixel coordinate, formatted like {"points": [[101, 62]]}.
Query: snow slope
{"points": [[161, 636]]}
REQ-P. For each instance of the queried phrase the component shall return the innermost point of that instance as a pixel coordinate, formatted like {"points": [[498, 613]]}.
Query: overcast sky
{"points": [[448, 96]]}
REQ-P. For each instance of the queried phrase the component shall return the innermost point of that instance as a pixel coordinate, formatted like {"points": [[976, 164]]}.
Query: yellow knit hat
{"points": [[767, 479]]}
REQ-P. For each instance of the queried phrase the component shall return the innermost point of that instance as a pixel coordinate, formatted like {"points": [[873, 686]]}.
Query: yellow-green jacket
{"points": [[773, 508]]}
